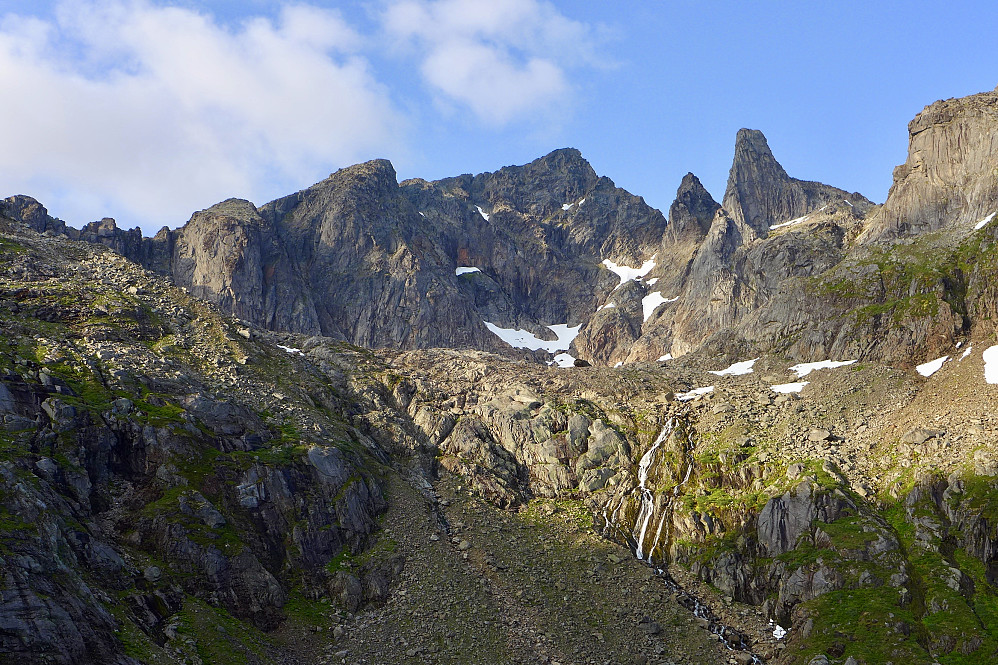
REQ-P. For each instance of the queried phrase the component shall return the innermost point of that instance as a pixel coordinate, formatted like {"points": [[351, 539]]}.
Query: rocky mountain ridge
{"points": [[362, 258]]}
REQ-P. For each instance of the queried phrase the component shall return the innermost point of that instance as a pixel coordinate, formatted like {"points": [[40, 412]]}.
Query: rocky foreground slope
{"points": [[181, 485]]}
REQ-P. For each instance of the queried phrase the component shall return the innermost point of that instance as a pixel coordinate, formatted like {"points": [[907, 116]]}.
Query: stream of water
{"points": [[732, 638]]}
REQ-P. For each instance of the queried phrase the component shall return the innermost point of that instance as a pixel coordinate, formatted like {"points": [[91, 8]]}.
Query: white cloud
{"points": [[150, 112], [502, 59]]}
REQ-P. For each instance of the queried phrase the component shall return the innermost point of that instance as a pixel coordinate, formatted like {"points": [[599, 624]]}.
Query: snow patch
{"points": [[651, 301], [693, 394], [607, 306], [737, 369], [422, 214], [931, 367], [523, 339], [482, 213], [984, 222], [803, 369], [619, 363], [667, 356], [290, 349], [789, 387], [563, 360], [991, 364], [796, 220], [464, 270], [967, 352], [581, 202], [652, 281], [848, 204], [567, 206], [779, 632], [626, 274]]}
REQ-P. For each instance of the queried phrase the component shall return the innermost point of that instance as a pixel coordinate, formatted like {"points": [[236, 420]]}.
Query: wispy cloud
{"points": [[155, 111], [503, 59]]}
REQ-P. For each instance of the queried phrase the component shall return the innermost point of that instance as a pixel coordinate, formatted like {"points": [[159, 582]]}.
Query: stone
{"points": [[919, 435], [649, 626], [818, 435]]}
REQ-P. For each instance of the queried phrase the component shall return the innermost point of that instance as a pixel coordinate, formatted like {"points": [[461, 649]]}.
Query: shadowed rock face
{"points": [[693, 210], [761, 194], [360, 258], [950, 177]]}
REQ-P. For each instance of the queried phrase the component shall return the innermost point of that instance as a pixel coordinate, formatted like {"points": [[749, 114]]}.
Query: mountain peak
{"points": [[761, 194], [691, 213]]}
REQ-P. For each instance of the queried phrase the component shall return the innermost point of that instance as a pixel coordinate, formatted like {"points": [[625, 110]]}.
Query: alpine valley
{"points": [[515, 417]]}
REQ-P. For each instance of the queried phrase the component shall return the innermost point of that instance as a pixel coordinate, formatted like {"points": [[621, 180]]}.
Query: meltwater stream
{"points": [[647, 496], [733, 639]]}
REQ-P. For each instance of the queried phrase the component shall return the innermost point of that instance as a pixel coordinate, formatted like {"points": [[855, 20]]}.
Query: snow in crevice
{"points": [[581, 202], [737, 369], [464, 270], [803, 369], [626, 274], [422, 213], [524, 339], [606, 306], [618, 364], [848, 204], [931, 367], [567, 206], [651, 302], [984, 222], [291, 350], [795, 387], [667, 356], [693, 394], [481, 212], [967, 352], [991, 364]]}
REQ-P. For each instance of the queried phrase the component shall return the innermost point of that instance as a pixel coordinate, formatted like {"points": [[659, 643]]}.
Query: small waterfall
{"points": [[730, 637], [647, 496]]}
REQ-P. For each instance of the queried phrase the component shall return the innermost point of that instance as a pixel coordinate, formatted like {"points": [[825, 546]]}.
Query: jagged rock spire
{"points": [[760, 193], [691, 213]]}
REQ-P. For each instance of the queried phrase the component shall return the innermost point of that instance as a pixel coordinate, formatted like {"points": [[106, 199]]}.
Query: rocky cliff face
{"points": [[149, 461], [949, 178]]}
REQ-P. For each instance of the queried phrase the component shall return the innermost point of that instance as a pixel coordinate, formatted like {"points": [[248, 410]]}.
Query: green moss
{"points": [[219, 638], [306, 612], [339, 561], [863, 623], [225, 538]]}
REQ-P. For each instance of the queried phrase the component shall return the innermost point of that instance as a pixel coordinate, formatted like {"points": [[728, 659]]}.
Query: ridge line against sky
{"points": [[147, 110]]}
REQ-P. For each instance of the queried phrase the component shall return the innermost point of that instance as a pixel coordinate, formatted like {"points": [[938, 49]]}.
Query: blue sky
{"points": [[145, 110]]}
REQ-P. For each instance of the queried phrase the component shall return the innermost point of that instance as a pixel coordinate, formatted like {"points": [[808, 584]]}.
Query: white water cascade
{"points": [[647, 496]]}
